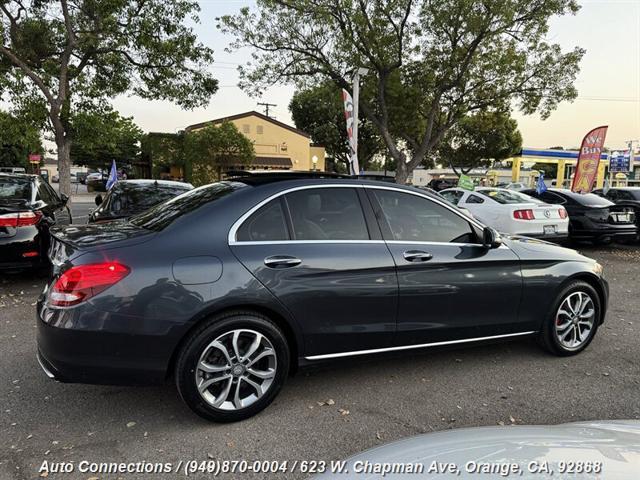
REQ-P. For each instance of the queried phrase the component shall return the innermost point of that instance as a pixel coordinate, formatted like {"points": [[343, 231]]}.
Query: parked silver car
{"points": [[609, 450]]}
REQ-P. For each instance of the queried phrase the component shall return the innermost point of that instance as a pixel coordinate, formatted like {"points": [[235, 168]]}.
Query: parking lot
{"points": [[326, 413]]}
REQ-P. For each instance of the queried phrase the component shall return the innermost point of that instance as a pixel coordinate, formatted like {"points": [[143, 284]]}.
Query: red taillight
{"points": [[84, 281], [20, 219], [523, 214], [562, 212]]}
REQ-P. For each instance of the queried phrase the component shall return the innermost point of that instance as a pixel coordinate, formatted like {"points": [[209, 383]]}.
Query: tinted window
{"points": [[414, 218], [474, 199], [327, 214], [590, 199], [452, 195], [46, 195], [266, 224], [15, 188], [162, 215]]}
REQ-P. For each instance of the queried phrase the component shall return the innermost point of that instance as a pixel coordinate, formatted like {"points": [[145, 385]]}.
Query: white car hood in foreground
{"points": [[615, 444]]}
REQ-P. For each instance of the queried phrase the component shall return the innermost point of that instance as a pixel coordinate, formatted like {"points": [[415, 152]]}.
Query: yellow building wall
{"points": [[271, 140]]}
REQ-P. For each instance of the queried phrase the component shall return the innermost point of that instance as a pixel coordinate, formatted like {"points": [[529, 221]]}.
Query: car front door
{"points": [[451, 286], [320, 252]]}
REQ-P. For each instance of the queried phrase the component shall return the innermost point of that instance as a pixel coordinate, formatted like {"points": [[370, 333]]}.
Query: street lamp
{"points": [[314, 161]]}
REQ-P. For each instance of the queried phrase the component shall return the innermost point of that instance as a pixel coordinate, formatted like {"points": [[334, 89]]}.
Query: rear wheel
{"points": [[573, 321], [232, 367]]}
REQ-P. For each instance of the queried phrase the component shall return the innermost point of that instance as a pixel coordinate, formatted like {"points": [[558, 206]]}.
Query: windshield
{"points": [[16, 188], [162, 215], [507, 196]]}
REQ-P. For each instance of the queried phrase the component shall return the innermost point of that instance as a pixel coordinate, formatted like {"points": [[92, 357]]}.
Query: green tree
{"points": [[430, 63], [101, 137], [215, 148], [80, 53], [162, 150], [319, 111], [478, 140], [19, 137]]}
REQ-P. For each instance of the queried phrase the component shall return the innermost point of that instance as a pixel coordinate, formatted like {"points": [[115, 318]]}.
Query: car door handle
{"points": [[417, 256], [281, 261]]}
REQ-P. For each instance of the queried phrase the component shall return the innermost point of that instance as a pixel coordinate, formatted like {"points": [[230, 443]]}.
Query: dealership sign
{"points": [[34, 158], [588, 160], [620, 162]]}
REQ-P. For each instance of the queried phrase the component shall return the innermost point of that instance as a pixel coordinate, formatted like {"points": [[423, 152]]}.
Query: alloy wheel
{"points": [[236, 369], [575, 320]]}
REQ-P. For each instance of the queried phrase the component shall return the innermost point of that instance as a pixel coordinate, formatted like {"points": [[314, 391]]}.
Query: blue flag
{"points": [[540, 185], [113, 176]]}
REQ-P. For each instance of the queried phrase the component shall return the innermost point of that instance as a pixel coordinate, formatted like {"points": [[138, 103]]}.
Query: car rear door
{"points": [[451, 287], [320, 252]]}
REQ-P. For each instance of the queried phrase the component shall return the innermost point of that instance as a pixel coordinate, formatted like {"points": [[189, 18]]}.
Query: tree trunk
{"points": [[64, 164], [402, 170]]}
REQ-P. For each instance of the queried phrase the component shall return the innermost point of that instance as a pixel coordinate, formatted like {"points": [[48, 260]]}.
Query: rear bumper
{"points": [[603, 233], [555, 237], [24, 242], [83, 345]]}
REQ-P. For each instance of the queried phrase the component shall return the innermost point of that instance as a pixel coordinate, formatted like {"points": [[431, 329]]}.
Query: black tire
{"points": [[548, 338], [210, 330]]}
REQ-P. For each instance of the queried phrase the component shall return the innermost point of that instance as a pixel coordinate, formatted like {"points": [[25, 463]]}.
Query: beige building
{"points": [[278, 146]]}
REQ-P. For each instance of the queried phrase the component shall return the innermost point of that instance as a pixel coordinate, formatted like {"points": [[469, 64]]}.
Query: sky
{"points": [[608, 84]]}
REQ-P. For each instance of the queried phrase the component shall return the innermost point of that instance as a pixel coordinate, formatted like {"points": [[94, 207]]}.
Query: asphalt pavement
{"points": [[326, 413]]}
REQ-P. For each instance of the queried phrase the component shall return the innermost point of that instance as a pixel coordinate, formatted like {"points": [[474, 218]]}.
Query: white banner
{"points": [[353, 141]]}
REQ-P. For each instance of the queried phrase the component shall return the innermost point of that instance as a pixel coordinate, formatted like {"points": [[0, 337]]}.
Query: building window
{"points": [[246, 128], [259, 129]]}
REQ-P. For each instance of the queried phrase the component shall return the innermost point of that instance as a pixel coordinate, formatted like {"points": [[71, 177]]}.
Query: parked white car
{"points": [[517, 186], [512, 212]]}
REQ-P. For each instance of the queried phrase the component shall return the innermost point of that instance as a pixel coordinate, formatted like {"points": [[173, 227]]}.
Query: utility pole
{"points": [[266, 107]]}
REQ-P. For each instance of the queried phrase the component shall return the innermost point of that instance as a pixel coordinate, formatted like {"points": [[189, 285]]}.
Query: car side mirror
{"points": [[491, 238], [98, 200], [64, 198]]}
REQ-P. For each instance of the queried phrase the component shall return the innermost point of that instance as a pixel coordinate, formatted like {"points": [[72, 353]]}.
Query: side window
{"points": [[327, 214], [474, 199], [266, 224], [413, 218], [453, 196], [45, 195]]}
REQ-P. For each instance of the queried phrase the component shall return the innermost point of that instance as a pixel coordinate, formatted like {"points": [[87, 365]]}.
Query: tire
{"points": [[225, 372], [558, 325]]}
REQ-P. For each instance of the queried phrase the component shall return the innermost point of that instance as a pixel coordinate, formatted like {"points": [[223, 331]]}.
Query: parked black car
{"points": [[28, 208], [130, 197], [592, 217], [624, 196], [230, 287]]}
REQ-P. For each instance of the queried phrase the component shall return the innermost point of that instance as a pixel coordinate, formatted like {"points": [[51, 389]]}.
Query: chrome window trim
{"points": [[231, 238], [410, 347]]}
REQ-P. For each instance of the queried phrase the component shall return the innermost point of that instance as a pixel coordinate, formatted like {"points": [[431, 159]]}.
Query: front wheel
{"points": [[573, 321], [232, 367]]}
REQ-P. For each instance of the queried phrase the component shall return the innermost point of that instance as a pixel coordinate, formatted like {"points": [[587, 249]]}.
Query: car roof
{"points": [[19, 175], [160, 183]]}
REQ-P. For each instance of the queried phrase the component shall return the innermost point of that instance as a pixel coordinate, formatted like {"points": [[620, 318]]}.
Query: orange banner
{"points": [[588, 160]]}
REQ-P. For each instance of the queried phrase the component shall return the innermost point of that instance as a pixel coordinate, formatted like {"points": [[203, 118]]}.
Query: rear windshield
{"points": [[507, 196], [16, 188], [162, 215], [143, 197], [591, 199]]}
